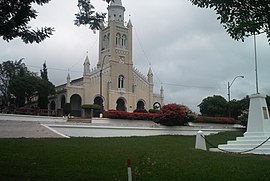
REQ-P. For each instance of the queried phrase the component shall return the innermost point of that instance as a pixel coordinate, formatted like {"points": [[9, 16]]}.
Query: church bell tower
{"points": [[115, 45]]}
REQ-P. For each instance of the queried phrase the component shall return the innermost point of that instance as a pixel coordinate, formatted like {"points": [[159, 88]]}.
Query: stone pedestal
{"points": [[258, 129]]}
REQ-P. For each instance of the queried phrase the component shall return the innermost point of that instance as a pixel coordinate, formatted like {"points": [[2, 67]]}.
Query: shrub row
{"points": [[222, 120], [115, 114], [170, 115]]}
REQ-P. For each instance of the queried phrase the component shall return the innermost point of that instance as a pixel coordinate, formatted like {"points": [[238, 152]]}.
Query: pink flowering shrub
{"points": [[222, 120], [170, 115], [115, 114], [174, 115]]}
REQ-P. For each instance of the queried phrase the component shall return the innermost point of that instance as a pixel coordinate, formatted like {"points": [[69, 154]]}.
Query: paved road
{"points": [[21, 129], [19, 126]]}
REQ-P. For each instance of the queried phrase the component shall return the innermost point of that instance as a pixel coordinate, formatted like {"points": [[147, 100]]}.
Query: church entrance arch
{"points": [[76, 102], [98, 101], [121, 105], [140, 105]]}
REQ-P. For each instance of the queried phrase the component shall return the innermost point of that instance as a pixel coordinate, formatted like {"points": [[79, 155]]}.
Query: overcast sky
{"points": [[189, 52]]}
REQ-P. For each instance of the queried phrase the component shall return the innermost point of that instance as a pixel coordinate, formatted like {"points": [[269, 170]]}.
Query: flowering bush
{"points": [[222, 120], [174, 115], [170, 115], [115, 114]]}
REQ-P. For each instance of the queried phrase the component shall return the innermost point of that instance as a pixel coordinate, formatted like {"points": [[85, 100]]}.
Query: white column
{"points": [[258, 118]]}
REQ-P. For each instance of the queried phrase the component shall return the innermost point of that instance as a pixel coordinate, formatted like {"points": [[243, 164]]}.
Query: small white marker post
{"points": [[129, 170], [200, 141]]}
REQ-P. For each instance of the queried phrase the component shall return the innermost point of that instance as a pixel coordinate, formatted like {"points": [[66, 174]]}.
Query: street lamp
{"points": [[230, 85], [229, 92], [100, 83]]}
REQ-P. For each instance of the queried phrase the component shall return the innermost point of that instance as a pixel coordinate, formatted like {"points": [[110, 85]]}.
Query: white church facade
{"points": [[113, 82]]}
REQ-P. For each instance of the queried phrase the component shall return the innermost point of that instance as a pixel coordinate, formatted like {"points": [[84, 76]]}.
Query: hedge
{"points": [[222, 120], [115, 114]]}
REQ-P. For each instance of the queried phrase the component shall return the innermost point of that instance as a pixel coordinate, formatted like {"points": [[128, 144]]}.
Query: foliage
{"points": [[174, 115], [222, 120], [115, 114], [44, 72], [87, 15], [15, 17], [243, 118], [9, 70], [154, 111], [28, 86], [241, 19], [24, 88], [238, 106], [213, 106], [45, 88], [67, 109], [141, 110], [91, 106]]}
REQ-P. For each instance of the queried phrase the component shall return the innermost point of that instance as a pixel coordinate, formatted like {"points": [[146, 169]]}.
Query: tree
{"points": [[240, 18], [14, 21], [24, 88], [214, 106], [9, 70], [44, 72], [44, 88], [237, 107], [16, 15]]}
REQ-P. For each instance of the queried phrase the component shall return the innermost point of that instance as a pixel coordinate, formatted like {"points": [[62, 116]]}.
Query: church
{"points": [[114, 83]]}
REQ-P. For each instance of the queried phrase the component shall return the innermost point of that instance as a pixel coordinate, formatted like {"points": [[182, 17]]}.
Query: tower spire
{"points": [[116, 12], [86, 65]]}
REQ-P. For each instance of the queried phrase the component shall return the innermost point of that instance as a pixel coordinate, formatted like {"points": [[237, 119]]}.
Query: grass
{"points": [[152, 158]]}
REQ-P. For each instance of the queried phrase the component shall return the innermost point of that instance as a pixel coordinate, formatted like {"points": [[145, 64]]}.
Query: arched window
{"points": [[76, 103], [121, 82], [140, 105], [118, 40], [124, 41], [121, 105]]}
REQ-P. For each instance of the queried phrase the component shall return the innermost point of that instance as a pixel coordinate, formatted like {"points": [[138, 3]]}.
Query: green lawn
{"points": [[152, 158]]}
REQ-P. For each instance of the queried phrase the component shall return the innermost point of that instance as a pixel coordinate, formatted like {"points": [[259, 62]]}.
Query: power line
{"points": [[190, 86], [162, 83], [147, 58]]}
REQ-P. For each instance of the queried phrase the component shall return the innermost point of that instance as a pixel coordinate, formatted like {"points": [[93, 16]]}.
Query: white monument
{"points": [[256, 139], [200, 141]]}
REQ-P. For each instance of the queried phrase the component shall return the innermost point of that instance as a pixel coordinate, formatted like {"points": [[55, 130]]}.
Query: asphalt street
{"points": [[18, 126]]}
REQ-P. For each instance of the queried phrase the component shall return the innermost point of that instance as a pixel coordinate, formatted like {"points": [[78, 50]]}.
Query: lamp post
{"points": [[100, 83], [230, 85], [229, 92]]}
